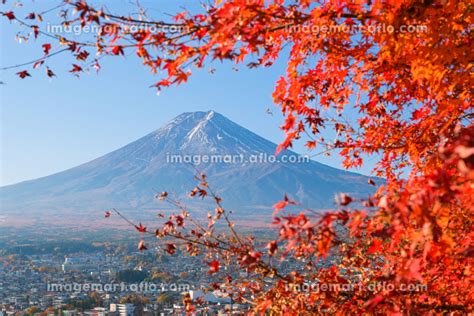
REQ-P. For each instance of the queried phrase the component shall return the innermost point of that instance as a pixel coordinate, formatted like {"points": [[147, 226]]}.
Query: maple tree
{"points": [[352, 67]]}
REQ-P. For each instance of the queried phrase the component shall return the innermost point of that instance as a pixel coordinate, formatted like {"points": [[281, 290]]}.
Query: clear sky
{"points": [[52, 125]]}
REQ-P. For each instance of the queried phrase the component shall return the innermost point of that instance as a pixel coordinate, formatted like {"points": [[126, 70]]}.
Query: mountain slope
{"points": [[127, 178]]}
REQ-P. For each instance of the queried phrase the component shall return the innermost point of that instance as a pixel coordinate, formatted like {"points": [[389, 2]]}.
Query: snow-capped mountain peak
{"points": [[127, 177]]}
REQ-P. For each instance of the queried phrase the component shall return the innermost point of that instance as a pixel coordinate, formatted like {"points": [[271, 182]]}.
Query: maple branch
{"points": [[168, 234], [196, 224], [36, 60]]}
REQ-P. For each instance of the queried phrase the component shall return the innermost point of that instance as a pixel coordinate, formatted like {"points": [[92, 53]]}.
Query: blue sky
{"points": [[51, 125]]}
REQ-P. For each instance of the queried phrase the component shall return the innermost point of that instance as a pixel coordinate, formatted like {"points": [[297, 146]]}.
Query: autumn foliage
{"points": [[402, 97]]}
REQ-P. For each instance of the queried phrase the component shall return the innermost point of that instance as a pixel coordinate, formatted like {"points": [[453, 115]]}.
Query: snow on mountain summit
{"points": [[211, 132]]}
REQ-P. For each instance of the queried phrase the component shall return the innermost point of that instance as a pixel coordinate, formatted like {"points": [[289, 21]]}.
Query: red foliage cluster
{"points": [[404, 97]]}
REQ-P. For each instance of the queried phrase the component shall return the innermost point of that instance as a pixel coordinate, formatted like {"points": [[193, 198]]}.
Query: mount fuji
{"points": [[129, 177]]}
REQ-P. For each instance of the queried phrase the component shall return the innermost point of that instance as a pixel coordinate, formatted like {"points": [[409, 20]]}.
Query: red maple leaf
{"points": [[170, 248], [46, 48], [282, 204], [142, 246], [344, 199], [213, 266], [10, 15], [117, 50], [272, 247], [375, 247], [141, 228], [38, 63], [75, 68], [50, 73], [23, 74]]}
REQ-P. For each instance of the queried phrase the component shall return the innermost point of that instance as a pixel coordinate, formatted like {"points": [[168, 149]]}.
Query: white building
{"points": [[98, 311], [215, 297], [122, 309], [77, 264]]}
